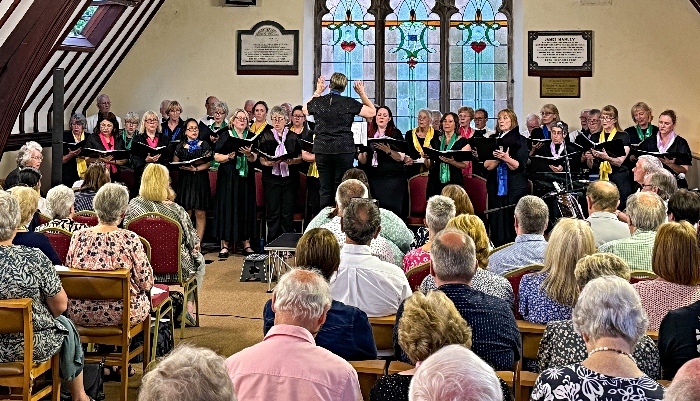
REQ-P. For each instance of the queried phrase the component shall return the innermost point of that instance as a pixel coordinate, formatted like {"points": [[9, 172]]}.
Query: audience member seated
{"points": [[287, 363], [96, 176], [188, 373], [59, 201], [107, 247], [347, 332], [495, 335], [561, 345], [455, 373], [439, 211], [31, 178], [646, 212], [684, 205], [686, 385], [662, 183], [29, 155], [463, 205], [483, 280], [646, 164], [676, 262], [393, 227], [362, 280], [379, 246], [603, 198], [155, 195], [429, 322], [551, 293], [610, 318], [27, 199], [678, 338], [531, 217]]}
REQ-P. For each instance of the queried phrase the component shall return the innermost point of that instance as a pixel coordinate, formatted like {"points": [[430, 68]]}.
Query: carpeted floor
{"points": [[230, 316]]}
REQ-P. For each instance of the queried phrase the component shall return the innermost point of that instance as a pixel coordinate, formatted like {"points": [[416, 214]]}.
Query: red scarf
{"points": [[109, 145]]}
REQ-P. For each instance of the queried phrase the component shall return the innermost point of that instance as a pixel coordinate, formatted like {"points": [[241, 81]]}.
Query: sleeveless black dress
{"points": [[193, 189]]}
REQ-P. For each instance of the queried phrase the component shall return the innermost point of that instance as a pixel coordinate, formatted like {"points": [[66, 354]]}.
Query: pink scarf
{"points": [[552, 147], [281, 168], [109, 145], [662, 148]]}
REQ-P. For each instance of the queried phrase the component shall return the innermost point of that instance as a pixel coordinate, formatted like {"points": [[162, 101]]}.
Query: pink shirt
{"points": [[287, 365], [660, 296]]}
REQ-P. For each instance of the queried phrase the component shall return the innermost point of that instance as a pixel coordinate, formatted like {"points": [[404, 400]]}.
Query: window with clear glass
{"points": [[406, 73]]}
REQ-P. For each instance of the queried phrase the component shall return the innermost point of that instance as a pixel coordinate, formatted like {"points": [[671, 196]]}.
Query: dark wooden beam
{"points": [[696, 4], [25, 53]]}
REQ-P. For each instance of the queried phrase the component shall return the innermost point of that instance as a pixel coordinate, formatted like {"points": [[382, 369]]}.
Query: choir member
{"points": [[151, 135], [416, 139], [74, 166], [301, 127], [642, 128], [446, 171], [174, 127], [260, 122], [667, 141], [107, 138]]}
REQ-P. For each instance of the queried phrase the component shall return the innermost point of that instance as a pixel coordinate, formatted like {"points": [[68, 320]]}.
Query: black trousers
{"points": [[313, 200], [280, 196], [331, 168]]}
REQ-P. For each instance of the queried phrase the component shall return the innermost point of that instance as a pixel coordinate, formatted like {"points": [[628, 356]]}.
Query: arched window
{"points": [[415, 54]]}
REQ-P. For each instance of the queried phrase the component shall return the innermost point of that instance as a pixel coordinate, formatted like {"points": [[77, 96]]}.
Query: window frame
{"points": [[380, 9], [94, 32]]}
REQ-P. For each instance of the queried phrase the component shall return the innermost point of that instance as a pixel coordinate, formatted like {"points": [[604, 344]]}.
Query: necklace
{"points": [[613, 350]]}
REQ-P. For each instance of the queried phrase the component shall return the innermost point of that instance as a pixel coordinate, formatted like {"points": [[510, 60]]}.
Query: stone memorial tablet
{"points": [[268, 48], [560, 53]]}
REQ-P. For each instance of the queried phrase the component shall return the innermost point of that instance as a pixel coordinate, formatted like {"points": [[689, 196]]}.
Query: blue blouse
{"points": [[534, 304]]}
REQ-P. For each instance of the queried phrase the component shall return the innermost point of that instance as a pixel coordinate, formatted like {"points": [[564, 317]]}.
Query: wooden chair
{"points": [[417, 202], [383, 331], [514, 278], [161, 304], [531, 334], [86, 217], [369, 371], [641, 275], [416, 275], [165, 236], [498, 248], [654, 335], [109, 285], [43, 219], [16, 317], [60, 241]]}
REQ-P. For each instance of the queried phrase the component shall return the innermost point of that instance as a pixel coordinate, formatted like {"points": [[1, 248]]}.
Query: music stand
{"points": [[286, 242]]}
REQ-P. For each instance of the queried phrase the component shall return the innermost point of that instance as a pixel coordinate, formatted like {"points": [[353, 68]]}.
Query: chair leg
{"points": [[184, 318], [196, 306], [55, 378], [124, 385], [155, 334], [146, 343]]}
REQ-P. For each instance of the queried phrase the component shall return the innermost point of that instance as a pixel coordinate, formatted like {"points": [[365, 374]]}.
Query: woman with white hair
{"points": [[280, 176], [29, 155], [60, 202], [74, 166], [457, 374], [610, 318], [188, 373], [416, 139], [28, 200]]}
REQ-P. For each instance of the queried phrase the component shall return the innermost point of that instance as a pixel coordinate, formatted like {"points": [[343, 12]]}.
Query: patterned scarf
{"points": [[281, 168], [193, 145]]}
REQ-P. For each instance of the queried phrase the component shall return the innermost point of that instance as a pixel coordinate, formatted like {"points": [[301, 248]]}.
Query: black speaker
{"points": [[240, 2]]}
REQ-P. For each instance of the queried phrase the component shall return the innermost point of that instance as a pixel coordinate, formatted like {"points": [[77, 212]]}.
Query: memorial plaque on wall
{"points": [[560, 53], [560, 87], [268, 49]]}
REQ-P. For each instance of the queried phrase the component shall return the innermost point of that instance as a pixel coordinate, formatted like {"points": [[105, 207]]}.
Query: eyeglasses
{"points": [[151, 120], [592, 121], [546, 113], [104, 103], [193, 129], [301, 116], [279, 119], [40, 158], [606, 118], [220, 113], [106, 125], [647, 185], [241, 119]]}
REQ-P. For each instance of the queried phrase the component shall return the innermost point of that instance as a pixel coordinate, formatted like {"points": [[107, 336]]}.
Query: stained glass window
{"points": [[412, 67], [347, 43], [409, 63], [479, 57]]}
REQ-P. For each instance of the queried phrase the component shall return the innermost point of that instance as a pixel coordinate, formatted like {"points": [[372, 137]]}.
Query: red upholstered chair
{"points": [[43, 219], [165, 236], [260, 202], [417, 203], [300, 203], [60, 241], [514, 278], [86, 217], [476, 189], [212, 182], [416, 275]]}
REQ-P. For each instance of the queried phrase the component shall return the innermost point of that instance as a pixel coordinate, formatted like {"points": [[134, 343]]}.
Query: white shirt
{"points": [[379, 246], [574, 134], [206, 120], [606, 227], [362, 280], [92, 123]]}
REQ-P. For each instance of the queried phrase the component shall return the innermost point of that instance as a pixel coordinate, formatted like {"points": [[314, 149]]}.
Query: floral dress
{"points": [[119, 249], [415, 258], [576, 382], [27, 273]]}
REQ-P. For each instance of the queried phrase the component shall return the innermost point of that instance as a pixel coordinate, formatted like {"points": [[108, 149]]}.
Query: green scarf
{"points": [[241, 160], [444, 167], [641, 134]]}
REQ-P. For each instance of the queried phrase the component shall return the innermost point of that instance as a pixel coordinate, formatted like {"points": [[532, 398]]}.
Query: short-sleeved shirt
{"points": [[659, 297], [678, 339], [28, 273], [334, 115]]}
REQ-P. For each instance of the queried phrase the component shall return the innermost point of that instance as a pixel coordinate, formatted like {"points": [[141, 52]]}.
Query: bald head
{"points": [[209, 103], [686, 385], [453, 257], [602, 196]]}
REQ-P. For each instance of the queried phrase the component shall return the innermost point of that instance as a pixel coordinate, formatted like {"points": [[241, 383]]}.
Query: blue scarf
{"points": [[193, 145], [502, 175], [545, 131]]}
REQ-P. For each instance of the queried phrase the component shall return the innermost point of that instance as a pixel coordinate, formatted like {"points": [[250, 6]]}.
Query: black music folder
{"points": [[458, 155]]}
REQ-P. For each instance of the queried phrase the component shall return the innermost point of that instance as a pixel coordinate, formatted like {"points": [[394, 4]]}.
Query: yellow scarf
{"points": [[257, 130], [428, 137], [605, 167], [313, 170], [80, 161]]}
